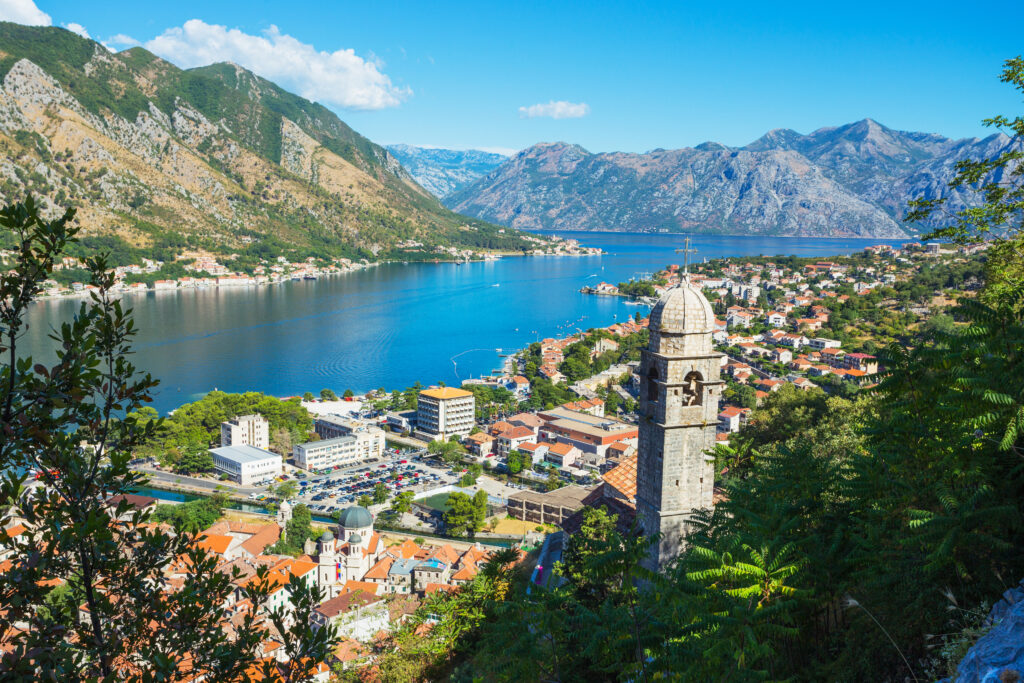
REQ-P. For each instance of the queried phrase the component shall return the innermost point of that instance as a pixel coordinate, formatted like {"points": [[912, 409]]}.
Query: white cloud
{"points": [[339, 78], [23, 12], [77, 28], [555, 110], [120, 40]]}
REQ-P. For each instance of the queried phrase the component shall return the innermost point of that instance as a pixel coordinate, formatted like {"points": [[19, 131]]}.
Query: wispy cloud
{"points": [[77, 28], [555, 110], [23, 12], [340, 78], [120, 40]]}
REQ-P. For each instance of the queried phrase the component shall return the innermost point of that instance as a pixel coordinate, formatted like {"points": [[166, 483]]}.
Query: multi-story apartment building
{"points": [[340, 451], [445, 411], [246, 430], [820, 343], [369, 438]]}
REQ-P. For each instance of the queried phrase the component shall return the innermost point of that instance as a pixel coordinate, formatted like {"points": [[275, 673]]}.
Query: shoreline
{"points": [[557, 231], [124, 290]]}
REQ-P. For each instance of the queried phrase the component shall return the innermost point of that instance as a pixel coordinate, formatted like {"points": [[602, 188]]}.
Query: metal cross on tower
{"points": [[686, 251]]}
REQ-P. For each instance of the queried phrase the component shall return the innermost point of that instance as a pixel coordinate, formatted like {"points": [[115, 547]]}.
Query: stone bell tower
{"points": [[679, 393]]}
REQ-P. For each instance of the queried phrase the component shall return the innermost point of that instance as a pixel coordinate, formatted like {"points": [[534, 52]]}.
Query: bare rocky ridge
{"points": [[854, 180]]}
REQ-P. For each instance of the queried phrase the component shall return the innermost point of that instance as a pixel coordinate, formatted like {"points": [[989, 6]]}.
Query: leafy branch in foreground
{"points": [[136, 602]]}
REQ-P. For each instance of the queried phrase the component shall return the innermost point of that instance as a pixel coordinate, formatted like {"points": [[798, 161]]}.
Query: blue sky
{"points": [[619, 76]]}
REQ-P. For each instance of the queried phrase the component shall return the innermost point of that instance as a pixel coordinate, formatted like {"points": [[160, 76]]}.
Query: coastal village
{"points": [[203, 270], [552, 460]]}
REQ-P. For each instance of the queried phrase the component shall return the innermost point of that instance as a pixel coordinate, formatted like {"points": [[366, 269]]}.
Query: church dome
{"points": [[355, 539], [355, 517], [327, 537], [683, 309]]}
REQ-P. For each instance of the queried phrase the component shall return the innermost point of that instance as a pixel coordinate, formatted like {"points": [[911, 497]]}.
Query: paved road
{"points": [[158, 477]]}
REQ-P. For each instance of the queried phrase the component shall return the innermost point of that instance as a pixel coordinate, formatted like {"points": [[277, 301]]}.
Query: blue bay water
{"points": [[392, 325]]}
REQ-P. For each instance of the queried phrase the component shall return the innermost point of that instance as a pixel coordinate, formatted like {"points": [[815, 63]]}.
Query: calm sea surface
{"points": [[391, 325]]}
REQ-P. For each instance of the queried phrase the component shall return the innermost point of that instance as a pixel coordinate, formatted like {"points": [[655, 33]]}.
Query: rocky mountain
{"points": [[213, 158], [854, 180], [443, 171]]}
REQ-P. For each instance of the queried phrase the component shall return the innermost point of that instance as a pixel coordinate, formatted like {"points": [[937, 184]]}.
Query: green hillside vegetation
{"points": [[183, 438], [273, 212]]}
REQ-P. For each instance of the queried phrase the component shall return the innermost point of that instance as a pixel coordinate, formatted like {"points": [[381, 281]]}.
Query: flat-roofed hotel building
{"points": [[445, 411]]}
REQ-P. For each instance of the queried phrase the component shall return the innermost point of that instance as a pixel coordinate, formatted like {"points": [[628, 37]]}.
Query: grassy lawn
{"points": [[438, 501]]}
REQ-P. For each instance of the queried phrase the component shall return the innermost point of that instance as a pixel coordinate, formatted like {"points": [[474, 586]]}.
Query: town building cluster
{"points": [[369, 584]]}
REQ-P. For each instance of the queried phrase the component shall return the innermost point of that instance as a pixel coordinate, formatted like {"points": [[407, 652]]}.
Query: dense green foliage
{"points": [[465, 515], [297, 531], [193, 516], [78, 549], [184, 437]]}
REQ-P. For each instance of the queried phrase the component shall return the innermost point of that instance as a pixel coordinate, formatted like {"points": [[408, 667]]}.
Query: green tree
{"points": [[514, 461], [402, 503], [193, 516], [380, 493], [349, 393], [461, 516], [553, 481], [479, 509], [193, 461], [110, 555], [286, 490], [328, 395], [365, 501]]}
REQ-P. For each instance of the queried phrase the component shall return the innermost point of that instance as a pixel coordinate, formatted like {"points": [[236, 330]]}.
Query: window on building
{"points": [[692, 388], [652, 384]]}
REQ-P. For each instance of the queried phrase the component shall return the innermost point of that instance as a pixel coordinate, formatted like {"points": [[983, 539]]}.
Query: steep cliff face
{"points": [[214, 156], [887, 167], [854, 180]]}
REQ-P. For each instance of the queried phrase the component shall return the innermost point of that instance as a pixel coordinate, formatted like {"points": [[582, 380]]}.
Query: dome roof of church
{"points": [[355, 517], [683, 309], [327, 536], [355, 539]]}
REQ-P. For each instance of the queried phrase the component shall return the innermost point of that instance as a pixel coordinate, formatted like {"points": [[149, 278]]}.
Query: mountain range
{"points": [[847, 181], [213, 158], [444, 171]]}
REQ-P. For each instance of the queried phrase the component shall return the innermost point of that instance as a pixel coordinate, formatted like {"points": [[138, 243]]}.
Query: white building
{"points": [[246, 465], [369, 438], [445, 411], [820, 343], [320, 455], [246, 430]]}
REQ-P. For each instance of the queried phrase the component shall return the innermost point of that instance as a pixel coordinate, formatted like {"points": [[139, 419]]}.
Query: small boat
{"points": [[309, 277]]}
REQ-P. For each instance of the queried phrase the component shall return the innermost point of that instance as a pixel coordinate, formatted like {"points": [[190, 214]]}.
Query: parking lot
{"points": [[398, 471]]}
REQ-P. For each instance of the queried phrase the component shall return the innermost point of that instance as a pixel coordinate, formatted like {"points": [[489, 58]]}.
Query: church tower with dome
{"points": [[348, 555], [679, 393]]}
